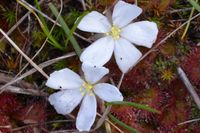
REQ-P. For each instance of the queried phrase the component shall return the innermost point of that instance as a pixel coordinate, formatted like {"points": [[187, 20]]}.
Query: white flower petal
{"points": [[94, 22], [99, 52], [126, 54], [64, 79], [87, 113], [143, 33], [65, 101], [108, 92], [93, 73], [124, 13]]}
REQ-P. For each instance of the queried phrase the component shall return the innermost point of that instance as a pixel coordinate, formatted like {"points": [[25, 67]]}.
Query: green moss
{"points": [[195, 111], [183, 49], [10, 17]]}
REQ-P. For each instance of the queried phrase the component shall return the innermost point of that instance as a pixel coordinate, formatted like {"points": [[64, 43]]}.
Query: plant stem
{"points": [[188, 24], [66, 30]]}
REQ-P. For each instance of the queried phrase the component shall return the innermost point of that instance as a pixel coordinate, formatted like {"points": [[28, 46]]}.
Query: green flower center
{"points": [[115, 32], [88, 88]]}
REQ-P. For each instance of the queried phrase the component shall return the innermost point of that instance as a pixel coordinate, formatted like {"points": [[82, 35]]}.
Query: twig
{"points": [[4, 71], [51, 20], [109, 8], [189, 121], [118, 129], [83, 38], [120, 81], [18, 23], [112, 81], [102, 119], [24, 55], [14, 27], [38, 11], [61, 2], [178, 20], [22, 87], [67, 131], [189, 86], [83, 4], [42, 65], [180, 10], [41, 123], [136, 2], [25, 91]]}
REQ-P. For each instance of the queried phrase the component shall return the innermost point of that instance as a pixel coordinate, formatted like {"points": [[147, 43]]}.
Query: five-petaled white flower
{"points": [[74, 89], [119, 36]]}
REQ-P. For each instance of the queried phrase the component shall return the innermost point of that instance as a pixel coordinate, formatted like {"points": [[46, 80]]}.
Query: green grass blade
{"points": [[45, 29], [136, 105], [66, 30], [195, 5], [75, 26], [130, 129]]}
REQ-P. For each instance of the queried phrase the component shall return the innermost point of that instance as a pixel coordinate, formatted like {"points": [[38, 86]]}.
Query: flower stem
{"points": [[188, 24]]}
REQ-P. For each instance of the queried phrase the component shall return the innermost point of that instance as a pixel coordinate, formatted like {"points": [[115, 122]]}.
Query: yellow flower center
{"points": [[114, 32], [167, 75], [87, 88]]}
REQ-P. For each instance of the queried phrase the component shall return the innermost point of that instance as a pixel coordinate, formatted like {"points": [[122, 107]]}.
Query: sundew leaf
{"points": [[195, 5], [130, 129], [136, 105], [66, 29]]}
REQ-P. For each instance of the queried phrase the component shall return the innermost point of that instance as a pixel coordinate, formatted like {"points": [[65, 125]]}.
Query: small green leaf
{"points": [[136, 105], [10, 17], [75, 26], [130, 129], [195, 5], [66, 29], [45, 29]]}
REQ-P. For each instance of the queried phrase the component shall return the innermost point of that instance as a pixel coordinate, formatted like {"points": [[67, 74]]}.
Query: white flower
{"points": [[118, 36], [74, 89]]}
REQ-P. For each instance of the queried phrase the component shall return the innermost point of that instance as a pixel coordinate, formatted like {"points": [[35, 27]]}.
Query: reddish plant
{"points": [[5, 125], [191, 66], [137, 77], [32, 113], [128, 116], [166, 100], [9, 103]]}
